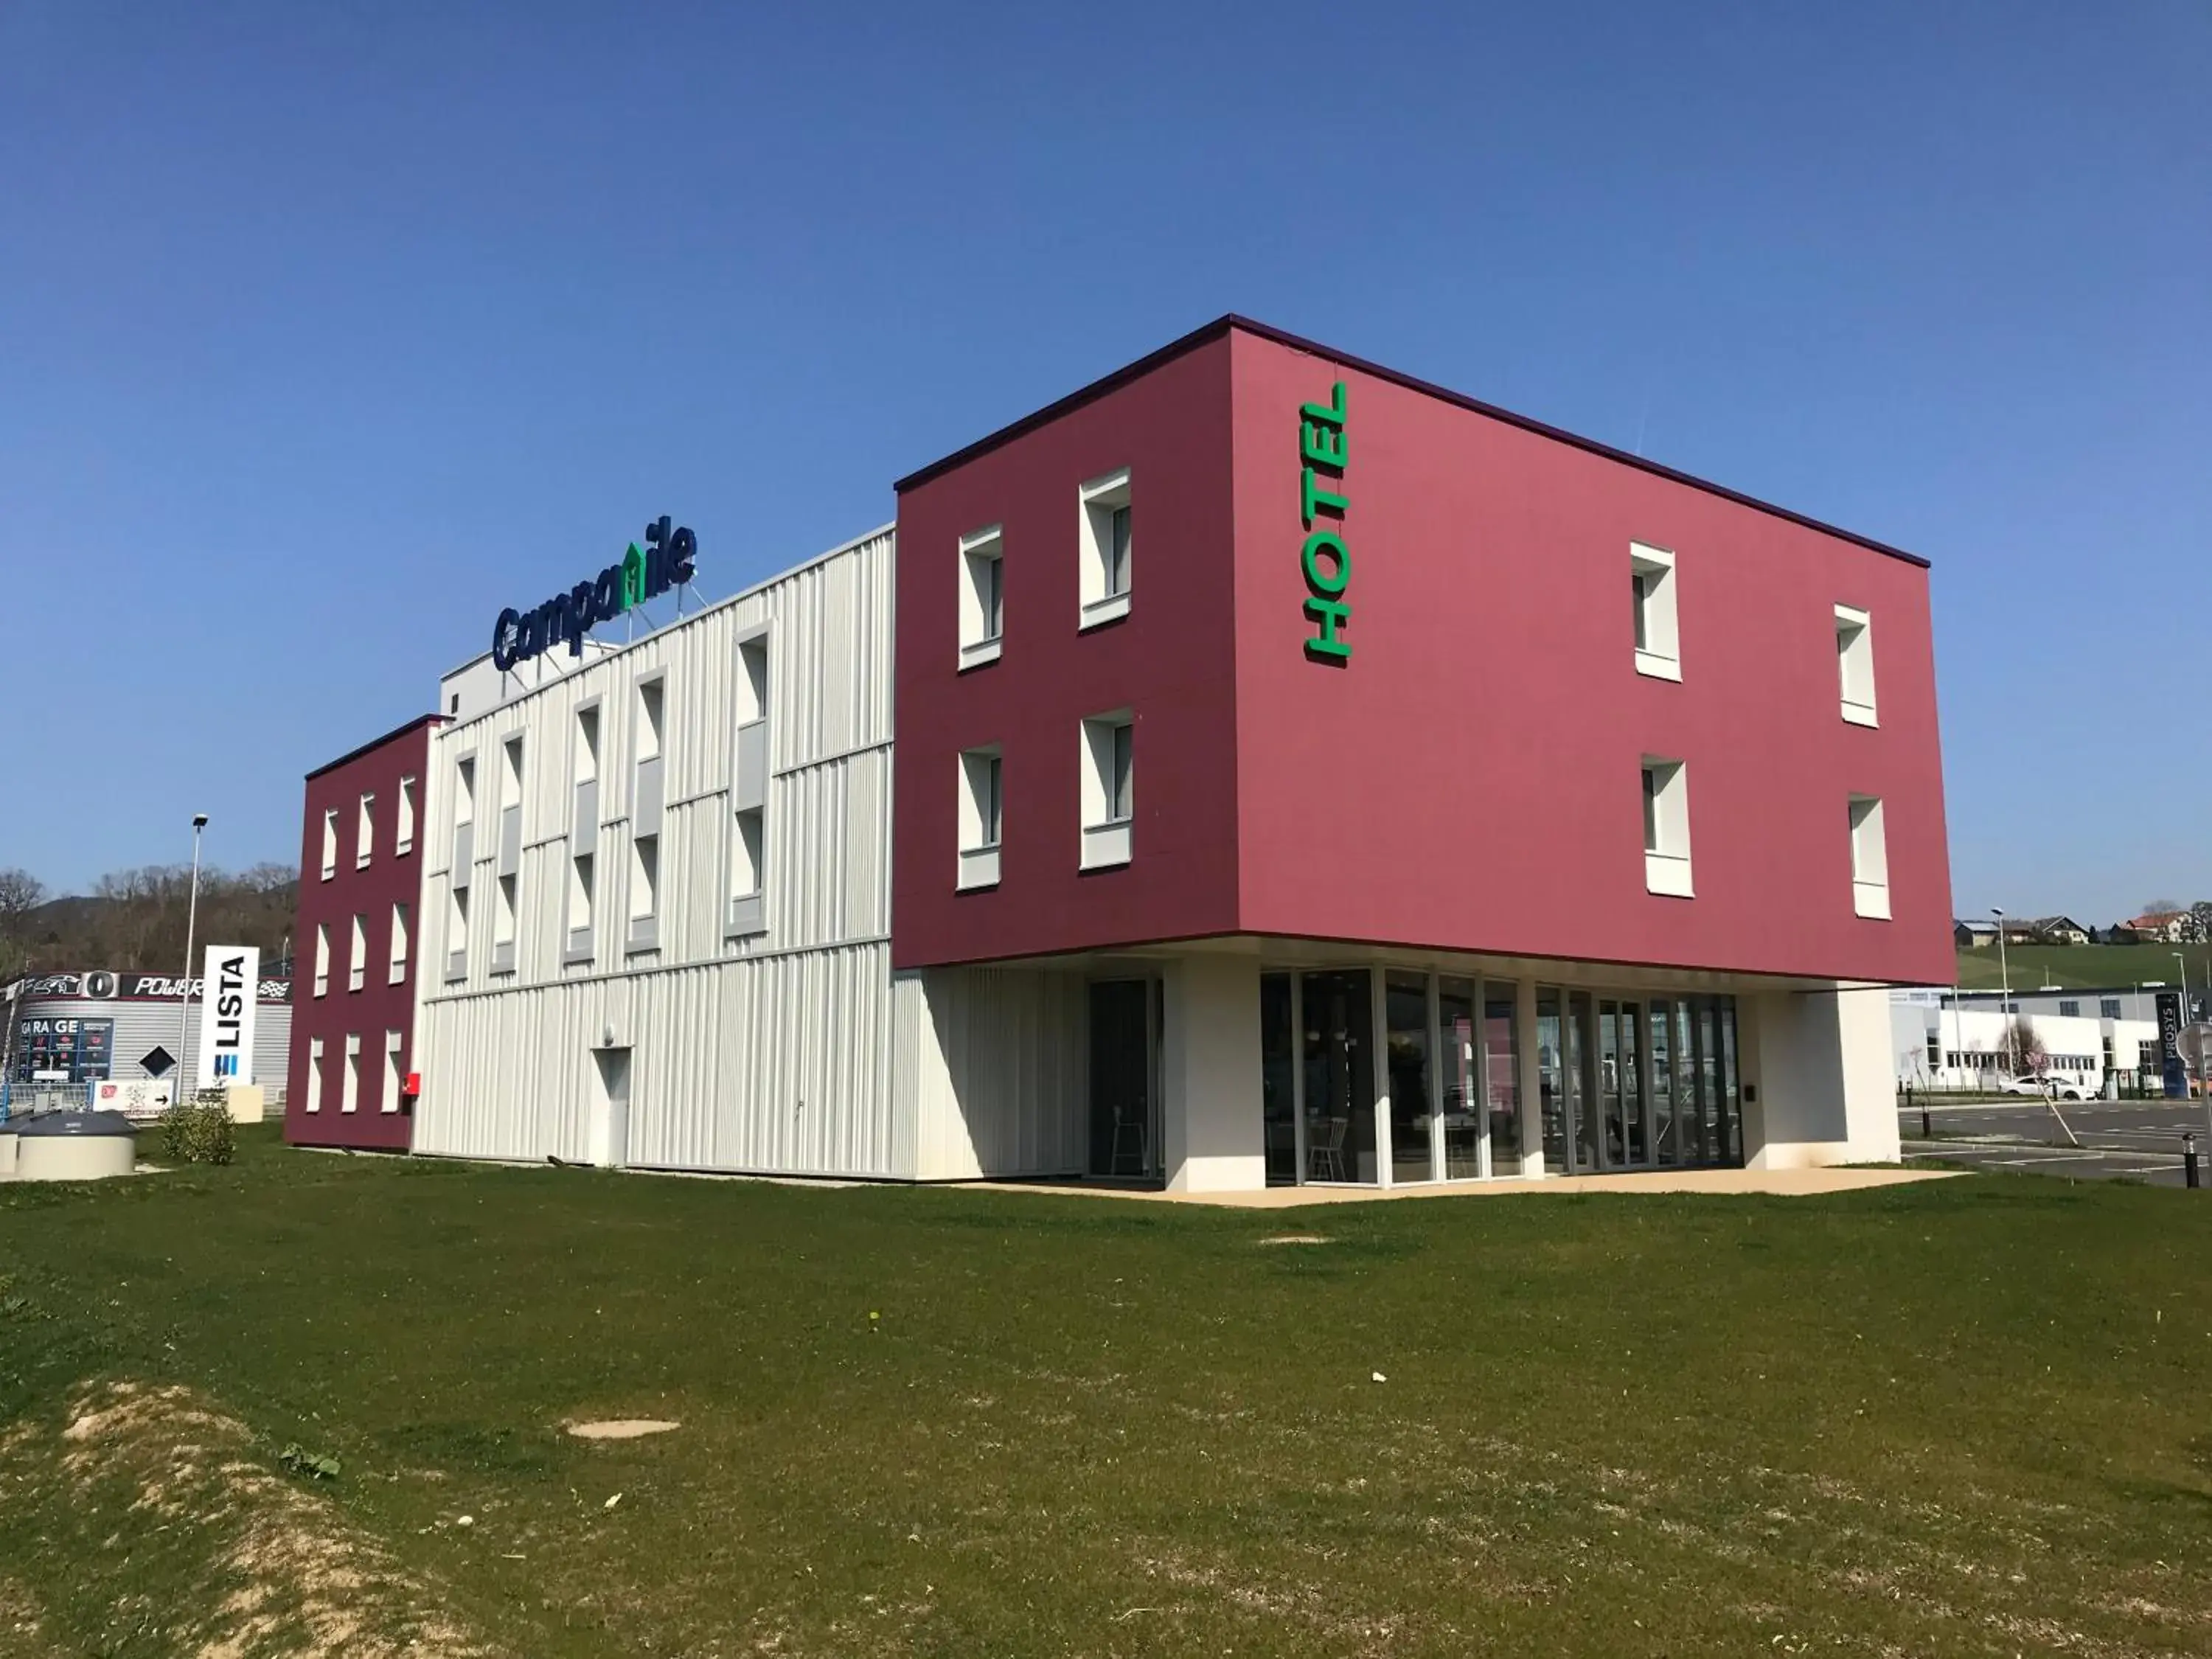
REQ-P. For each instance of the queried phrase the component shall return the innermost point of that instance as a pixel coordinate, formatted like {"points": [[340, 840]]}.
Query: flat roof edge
{"points": [[1224, 324], [354, 754]]}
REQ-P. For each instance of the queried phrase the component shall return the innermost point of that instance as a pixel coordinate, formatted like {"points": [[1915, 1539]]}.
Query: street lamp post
{"points": [[2004, 1001], [191, 918]]}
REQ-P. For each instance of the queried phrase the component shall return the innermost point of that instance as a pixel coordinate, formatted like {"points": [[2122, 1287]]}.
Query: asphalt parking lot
{"points": [[2135, 1139]]}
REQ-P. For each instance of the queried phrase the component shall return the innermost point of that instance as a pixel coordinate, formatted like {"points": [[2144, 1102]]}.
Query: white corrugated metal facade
{"points": [[786, 1046]]}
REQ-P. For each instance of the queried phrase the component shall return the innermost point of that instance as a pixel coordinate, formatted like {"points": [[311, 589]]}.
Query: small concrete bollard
{"points": [[2189, 1176]]}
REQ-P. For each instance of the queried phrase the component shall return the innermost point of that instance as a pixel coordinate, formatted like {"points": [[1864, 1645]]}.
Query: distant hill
{"points": [[2076, 967], [134, 920]]}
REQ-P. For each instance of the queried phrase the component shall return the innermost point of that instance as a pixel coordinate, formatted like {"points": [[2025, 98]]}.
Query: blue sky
{"points": [[326, 331]]}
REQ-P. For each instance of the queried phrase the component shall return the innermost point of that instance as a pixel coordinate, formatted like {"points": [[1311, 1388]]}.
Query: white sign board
{"points": [[230, 994], [140, 1096]]}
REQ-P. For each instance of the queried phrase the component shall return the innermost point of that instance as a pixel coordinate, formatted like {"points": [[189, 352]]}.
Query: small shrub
{"points": [[198, 1131]]}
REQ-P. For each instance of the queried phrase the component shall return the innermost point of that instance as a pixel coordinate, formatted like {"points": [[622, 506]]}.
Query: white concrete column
{"points": [[1827, 1080], [1210, 1054]]}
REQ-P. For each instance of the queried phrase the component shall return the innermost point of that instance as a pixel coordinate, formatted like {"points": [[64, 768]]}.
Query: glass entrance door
{"points": [[1124, 1136], [1336, 1057]]}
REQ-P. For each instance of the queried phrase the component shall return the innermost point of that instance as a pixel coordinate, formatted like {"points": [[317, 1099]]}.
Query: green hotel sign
{"points": [[1325, 559]]}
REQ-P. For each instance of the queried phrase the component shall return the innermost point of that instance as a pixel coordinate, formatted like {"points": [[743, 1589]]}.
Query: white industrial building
{"points": [[1943, 1039], [737, 998]]}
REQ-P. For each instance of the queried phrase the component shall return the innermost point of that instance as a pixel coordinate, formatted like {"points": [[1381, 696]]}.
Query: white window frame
{"points": [[507, 900], [349, 1096], [1660, 655], [1869, 857], [392, 1076], [314, 1074], [1664, 789], [982, 816], [330, 843], [583, 901], [322, 958], [1097, 502], [364, 837], [399, 943], [357, 953], [644, 893], [1855, 676], [1107, 836], [982, 579], [404, 827]]}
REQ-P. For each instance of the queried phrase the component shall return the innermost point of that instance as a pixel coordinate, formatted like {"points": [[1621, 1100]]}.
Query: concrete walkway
{"points": [[1781, 1183]]}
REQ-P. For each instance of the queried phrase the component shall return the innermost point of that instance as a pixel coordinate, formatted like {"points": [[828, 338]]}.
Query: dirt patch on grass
{"points": [[1295, 1238], [622, 1428], [169, 1487]]}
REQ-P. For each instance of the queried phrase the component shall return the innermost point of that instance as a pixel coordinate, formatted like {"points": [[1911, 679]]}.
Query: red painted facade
{"points": [[390, 877], [1469, 779]]}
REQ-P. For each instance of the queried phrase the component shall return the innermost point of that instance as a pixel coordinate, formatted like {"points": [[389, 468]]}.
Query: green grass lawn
{"points": [[1966, 1417], [2074, 966]]}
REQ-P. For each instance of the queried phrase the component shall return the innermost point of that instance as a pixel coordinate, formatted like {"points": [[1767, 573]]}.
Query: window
{"points": [[578, 947], [457, 932], [645, 893], [645, 817], [403, 829], [752, 680], [980, 812], [349, 1098], [465, 790], [576, 943], [2068, 1010], [330, 843], [314, 1074], [1870, 860], [1667, 827], [2108, 1007], [585, 767], [748, 870], [399, 972], [364, 834], [503, 925], [1935, 1050], [357, 959], [1855, 664], [983, 602], [1104, 531], [1108, 789], [392, 1076], [322, 958], [1658, 640]]}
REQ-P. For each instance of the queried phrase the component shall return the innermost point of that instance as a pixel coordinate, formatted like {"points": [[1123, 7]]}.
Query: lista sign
{"points": [[665, 561], [226, 1047]]}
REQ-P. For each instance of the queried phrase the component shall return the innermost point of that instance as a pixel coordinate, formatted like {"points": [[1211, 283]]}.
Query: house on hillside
{"points": [[1974, 935], [2160, 928], [2059, 930]]}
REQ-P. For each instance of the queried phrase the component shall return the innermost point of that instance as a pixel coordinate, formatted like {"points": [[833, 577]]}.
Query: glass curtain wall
{"points": [[1338, 1062], [1638, 1086], [1278, 1087], [1462, 1041], [1406, 1011], [1620, 1084]]}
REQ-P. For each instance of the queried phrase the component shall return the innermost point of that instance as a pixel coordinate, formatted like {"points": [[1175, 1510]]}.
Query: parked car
{"points": [[2061, 1088]]}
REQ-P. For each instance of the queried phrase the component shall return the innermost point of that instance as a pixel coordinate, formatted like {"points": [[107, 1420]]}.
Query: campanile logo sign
{"points": [[230, 998]]}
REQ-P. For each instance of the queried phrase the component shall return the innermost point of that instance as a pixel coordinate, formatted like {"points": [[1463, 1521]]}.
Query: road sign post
{"points": [[2194, 1043]]}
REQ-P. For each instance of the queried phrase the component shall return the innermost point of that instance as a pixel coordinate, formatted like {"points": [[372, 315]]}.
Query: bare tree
{"points": [[2162, 908], [2029, 1057], [20, 893]]}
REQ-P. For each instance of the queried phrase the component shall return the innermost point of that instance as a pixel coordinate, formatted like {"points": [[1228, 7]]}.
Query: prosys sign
{"points": [[1324, 558], [641, 573]]}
